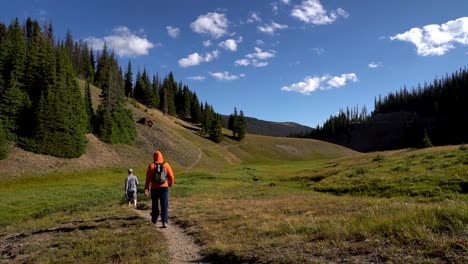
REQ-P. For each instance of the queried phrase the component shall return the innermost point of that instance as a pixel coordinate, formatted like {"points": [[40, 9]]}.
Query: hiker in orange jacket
{"points": [[159, 191]]}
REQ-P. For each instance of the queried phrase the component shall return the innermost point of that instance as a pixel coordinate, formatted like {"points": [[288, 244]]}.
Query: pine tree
{"points": [[89, 107], [104, 124], [195, 109], [129, 80], [14, 104], [426, 141], [207, 116], [3, 143], [155, 92], [61, 116], [242, 126], [216, 129], [233, 123], [187, 103]]}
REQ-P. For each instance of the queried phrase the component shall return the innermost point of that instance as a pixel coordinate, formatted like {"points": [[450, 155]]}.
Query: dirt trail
{"points": [[182, 247]]}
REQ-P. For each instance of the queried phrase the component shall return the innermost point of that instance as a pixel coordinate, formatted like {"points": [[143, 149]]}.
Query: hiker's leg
{"points": [[164, 204], [129, 198], [154, 205]]}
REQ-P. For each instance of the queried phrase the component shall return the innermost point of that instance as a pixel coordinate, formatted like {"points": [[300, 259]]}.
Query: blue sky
{"points": [[277, 60]]}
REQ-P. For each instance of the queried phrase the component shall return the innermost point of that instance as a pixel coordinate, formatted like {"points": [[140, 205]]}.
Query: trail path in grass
{"points": [[200, 154], [182, 247]]}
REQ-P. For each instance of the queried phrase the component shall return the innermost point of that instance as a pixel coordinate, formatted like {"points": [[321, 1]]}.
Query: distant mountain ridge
{"points": [[270, 128]]}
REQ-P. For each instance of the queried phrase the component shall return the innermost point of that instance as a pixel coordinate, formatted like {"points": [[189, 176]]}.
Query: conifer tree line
{"points": [[441, 108], [173, 98], [43, 110]]}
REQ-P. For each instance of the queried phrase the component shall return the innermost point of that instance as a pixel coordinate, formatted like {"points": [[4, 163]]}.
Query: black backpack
{"points": [[160, 173]]}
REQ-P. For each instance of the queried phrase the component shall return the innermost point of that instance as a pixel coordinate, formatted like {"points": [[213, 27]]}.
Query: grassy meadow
{"points": [[71, 216], [406, 206]]}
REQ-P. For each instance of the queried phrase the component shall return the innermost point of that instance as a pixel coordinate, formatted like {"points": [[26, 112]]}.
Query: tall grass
{"points": [[271, 212]]}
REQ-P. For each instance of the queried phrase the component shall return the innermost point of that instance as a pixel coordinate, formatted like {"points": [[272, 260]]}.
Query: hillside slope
{"points": [[178, 140], [269, 128]]}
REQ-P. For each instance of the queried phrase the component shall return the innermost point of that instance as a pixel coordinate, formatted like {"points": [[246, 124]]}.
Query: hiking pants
{"points": [[161, 194]]}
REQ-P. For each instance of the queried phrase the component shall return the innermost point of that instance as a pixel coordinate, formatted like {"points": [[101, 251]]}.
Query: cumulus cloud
{"points": [[312, 84], [256, 59], [373, 64], [254, 17], [312, 12], [230, 44], [196, 78], [436, 40], [124, 43], [213, 24], [261, 55], [271, 28], [339, 81], [207, 43], [226, 76], [318, 51], [196, 59], [173, 31]]}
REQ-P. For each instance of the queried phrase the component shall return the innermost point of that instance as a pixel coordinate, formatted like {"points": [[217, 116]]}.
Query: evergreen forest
{"points": [[436, 111], [44, 110]]}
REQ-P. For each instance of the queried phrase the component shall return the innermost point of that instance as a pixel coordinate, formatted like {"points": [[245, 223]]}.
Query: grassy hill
{"points": [[262, 200]]}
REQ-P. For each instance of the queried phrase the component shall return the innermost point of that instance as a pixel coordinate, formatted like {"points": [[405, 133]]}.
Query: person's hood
{"points": [[158, 157]]}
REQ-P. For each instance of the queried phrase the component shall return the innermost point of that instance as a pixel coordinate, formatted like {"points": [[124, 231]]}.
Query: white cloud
{"points": [[436, 40], [226, 76], [286, 2], [312, 84], [214, 24], [123, 42], [230, 44], [259, 42], [173, 31], [242, 62], [261, 55], [254, 17], [270, 29], [257, 59], [196, 59], [207, 43], [196, 78], [373, 64], [312, 12], [318, 51], [339, 81]]}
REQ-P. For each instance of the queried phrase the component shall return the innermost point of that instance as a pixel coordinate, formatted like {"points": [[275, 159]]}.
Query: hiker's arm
{"points": [[170, 174], [148, 178]]}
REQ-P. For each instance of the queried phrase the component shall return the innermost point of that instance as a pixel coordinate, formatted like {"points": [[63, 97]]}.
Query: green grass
{"points": [[390, 207], [400, 206], [62, 217]]}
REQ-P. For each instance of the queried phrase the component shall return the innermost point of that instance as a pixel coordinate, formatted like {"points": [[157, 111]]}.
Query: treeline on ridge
{"points": [[405, 118], [43, 110]]}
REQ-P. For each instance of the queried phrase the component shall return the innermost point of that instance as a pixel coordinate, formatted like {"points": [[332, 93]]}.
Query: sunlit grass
{"points": [[66, 217], [269, 212]]}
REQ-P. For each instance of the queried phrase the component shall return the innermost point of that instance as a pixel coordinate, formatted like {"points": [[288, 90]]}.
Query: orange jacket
{"points": [[158, 157]]}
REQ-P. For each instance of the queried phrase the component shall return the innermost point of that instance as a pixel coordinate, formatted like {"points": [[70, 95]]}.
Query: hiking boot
{"points": [[164, 224]]}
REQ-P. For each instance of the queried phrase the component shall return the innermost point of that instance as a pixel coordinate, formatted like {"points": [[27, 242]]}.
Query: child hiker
{"points": [[131, 183]]}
